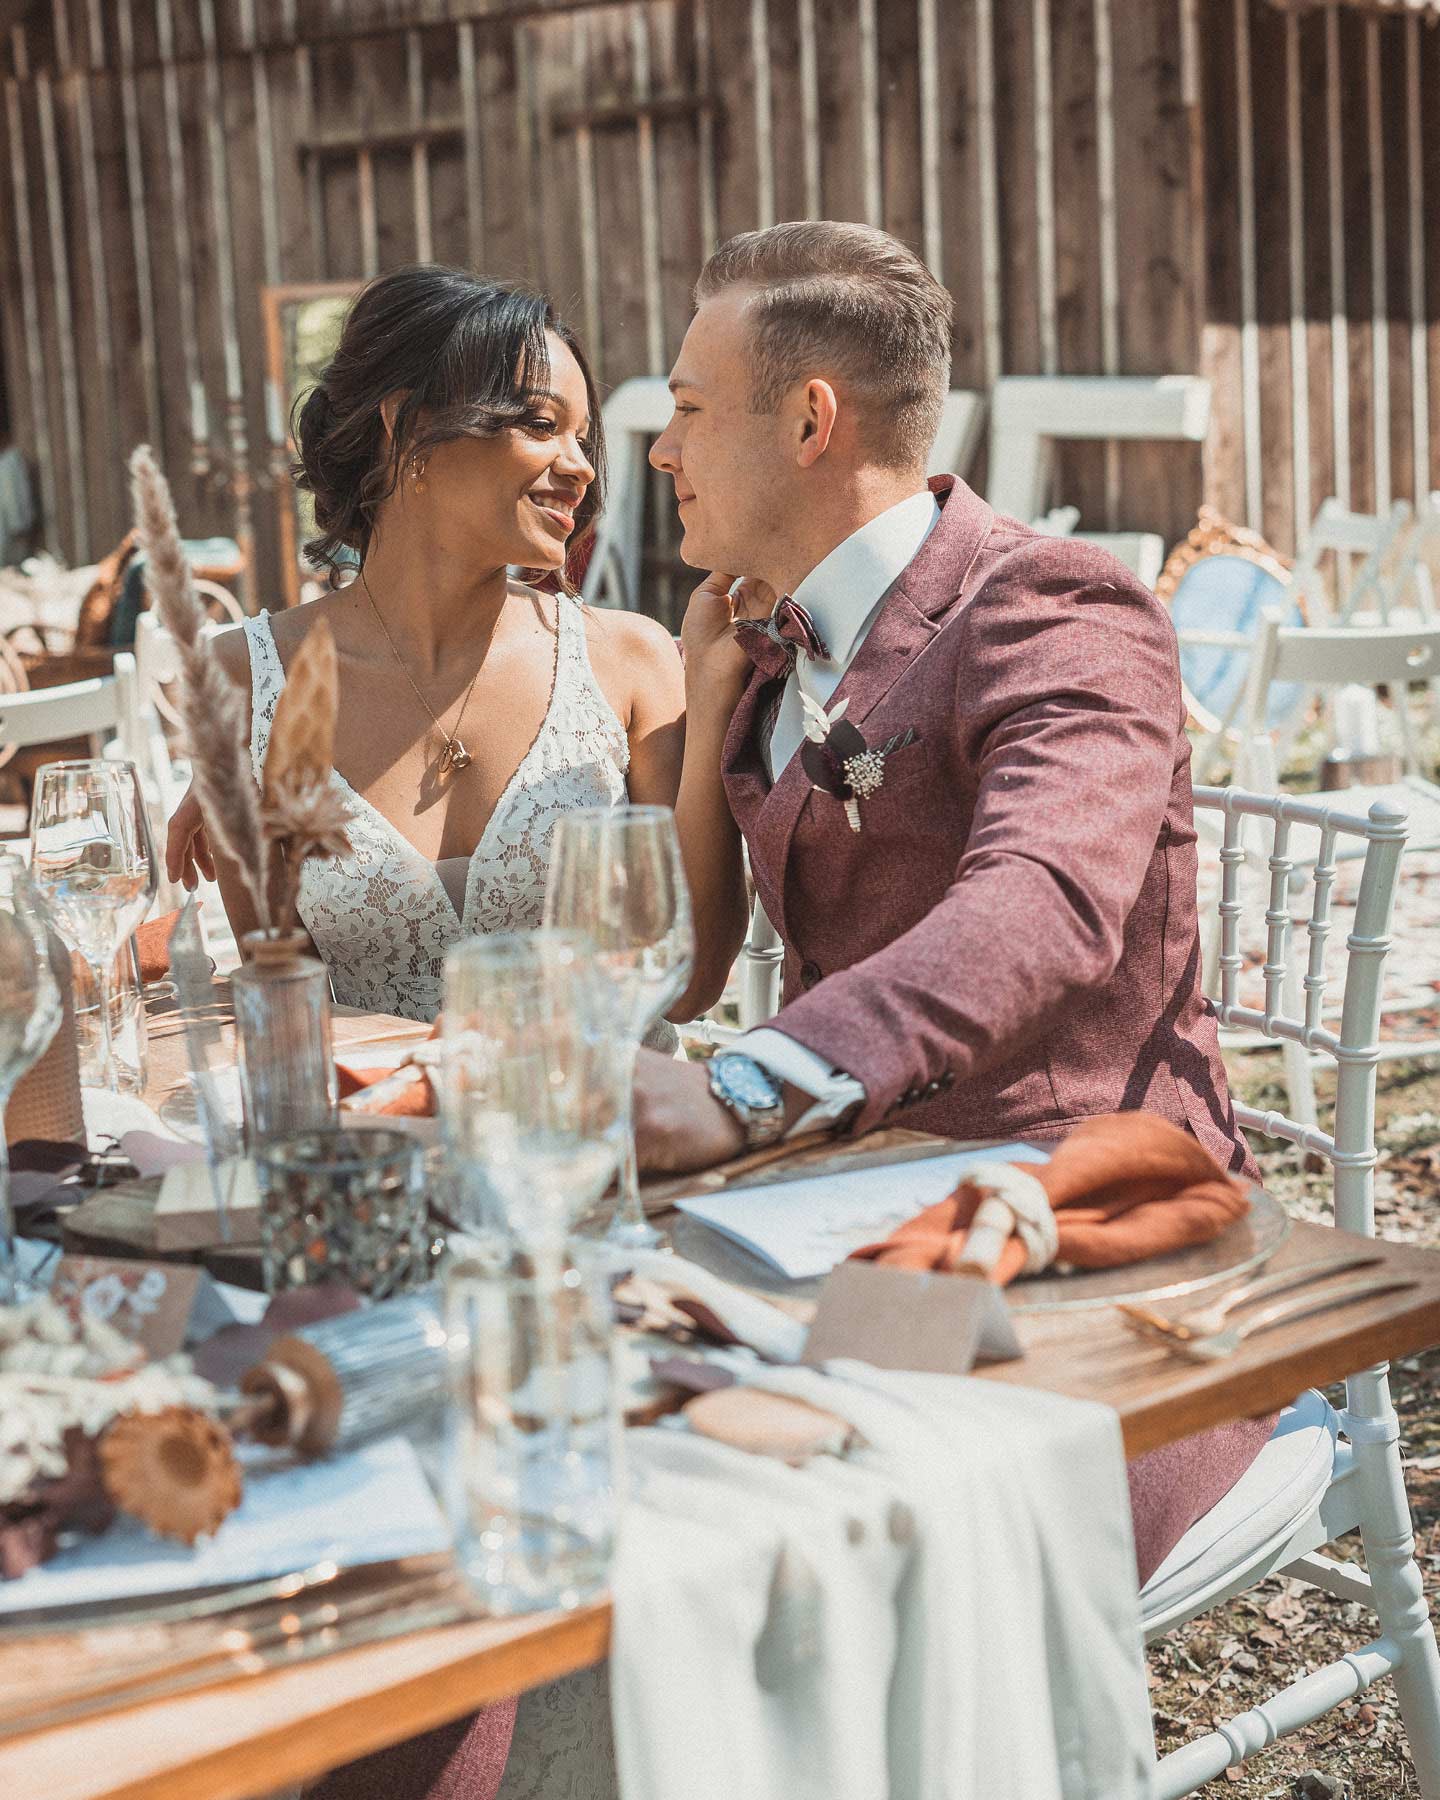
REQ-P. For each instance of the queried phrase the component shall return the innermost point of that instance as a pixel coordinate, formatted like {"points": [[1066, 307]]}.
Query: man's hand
{"points": [[679, 1124], [188, 855]]}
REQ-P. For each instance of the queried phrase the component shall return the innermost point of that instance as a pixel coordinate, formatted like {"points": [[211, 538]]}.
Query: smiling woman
{"points": [[455, 436]]}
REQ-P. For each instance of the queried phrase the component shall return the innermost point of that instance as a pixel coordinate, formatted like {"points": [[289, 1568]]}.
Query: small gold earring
{"points": [[417, 474]]}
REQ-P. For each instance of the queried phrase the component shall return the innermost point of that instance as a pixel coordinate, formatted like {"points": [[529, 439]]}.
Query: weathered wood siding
{"points": [[1108, 186]]}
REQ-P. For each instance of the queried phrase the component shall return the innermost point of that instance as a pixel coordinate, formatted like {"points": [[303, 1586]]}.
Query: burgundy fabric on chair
{"points": [[464, 1760]]}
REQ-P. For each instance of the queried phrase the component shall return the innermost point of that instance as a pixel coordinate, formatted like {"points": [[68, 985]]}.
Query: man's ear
{"points": [[818, 411]]}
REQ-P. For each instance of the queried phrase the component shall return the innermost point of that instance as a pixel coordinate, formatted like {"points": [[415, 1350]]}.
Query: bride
{"points": [[456, 435]]}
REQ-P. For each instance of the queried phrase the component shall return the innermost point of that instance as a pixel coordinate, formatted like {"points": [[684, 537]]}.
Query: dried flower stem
{"points": [[212, 707]]}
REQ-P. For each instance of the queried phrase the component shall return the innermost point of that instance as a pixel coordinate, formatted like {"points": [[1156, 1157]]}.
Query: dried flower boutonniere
{"points": [[839, 761], [297, 813]]}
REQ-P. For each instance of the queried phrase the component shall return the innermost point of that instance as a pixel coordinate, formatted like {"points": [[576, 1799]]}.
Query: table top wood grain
{"points": [[256, 1734]]}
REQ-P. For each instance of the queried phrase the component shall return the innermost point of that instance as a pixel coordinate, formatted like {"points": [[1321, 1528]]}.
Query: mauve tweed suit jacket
{"points": [[1009, 944]]}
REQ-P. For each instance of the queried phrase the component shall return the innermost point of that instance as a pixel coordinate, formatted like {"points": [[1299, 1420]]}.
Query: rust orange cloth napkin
{"points": [[1123, 1186], [153, 942], [412, 1100]]}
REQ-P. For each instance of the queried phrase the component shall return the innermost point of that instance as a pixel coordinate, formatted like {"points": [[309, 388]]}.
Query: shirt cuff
{"points": [[835, 1092]]}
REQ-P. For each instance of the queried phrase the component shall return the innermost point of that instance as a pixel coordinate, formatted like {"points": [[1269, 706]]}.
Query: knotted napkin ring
{"points": [[1014, 1205]]}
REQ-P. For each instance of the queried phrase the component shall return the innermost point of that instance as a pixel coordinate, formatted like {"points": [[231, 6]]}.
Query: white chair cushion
{"points": [[1283, 1485]]}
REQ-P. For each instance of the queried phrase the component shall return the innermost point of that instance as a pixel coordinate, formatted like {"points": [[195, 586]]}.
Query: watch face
{"points": [[749, 1083]]}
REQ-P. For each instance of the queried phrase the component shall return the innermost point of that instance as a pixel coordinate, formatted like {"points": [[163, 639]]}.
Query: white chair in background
{"points": [[78, 709], [1365, 593], [1325, 659], [635, 415], [1322, 1475]]}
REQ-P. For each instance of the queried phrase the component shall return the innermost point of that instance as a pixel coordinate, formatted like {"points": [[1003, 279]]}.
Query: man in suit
{"points": [[989, 918]]}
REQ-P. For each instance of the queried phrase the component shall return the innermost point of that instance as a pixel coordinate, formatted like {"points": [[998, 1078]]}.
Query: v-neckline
{"points": [[369, 806]]}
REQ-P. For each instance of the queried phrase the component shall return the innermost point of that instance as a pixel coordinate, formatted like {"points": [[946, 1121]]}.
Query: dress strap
{"points": [[267, 678]]}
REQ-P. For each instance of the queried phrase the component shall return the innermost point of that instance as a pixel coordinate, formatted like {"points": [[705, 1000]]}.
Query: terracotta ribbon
{"points": [[1124, 1187]]}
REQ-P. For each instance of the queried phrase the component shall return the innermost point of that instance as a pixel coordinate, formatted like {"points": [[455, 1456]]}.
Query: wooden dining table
{"points": [[255, 1733]]}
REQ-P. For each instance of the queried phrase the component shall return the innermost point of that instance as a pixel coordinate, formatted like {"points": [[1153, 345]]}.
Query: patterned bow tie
{"points": [[771, 644]]}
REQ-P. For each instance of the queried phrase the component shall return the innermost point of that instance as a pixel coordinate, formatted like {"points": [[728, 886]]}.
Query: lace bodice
{"points": [[380, 917]]}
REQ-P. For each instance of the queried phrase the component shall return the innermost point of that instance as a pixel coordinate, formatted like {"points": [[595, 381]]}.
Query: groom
{"points": [[989, 918]]}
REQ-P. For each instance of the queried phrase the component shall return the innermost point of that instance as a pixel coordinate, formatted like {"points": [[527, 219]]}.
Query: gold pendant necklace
{"points": [[454, 757]]}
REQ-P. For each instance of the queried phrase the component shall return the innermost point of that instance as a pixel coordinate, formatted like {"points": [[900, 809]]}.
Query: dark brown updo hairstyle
{"points": [[467, 354]]}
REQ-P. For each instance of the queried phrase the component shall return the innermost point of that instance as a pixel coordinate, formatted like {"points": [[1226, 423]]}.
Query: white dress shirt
{"points": [[843, 594]]}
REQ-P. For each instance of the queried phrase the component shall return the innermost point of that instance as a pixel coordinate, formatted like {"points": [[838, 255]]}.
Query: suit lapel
{"points": [[906, 624]]}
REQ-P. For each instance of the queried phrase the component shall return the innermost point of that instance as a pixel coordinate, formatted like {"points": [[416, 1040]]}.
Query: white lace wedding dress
{"points": [[382, 919]]}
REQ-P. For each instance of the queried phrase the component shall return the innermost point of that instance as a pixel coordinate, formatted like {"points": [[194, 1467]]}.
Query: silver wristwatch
{"points": [[748, 1089]]}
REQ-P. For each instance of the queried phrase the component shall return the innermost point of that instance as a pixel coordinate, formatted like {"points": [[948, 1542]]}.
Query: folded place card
{"points": [[804, 1227], [151, 1303], [910, 1319], [185, 1215]]}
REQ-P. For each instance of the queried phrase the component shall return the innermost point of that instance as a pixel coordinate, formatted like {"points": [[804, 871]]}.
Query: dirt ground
{"points": [[1239, 1655]]}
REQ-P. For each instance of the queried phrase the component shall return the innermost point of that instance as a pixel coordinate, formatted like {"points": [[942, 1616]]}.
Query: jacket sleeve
{"points": [[1071, 714]]}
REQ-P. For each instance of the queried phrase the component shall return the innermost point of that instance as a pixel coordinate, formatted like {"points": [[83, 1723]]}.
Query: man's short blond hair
{"points": [[847, 301]]}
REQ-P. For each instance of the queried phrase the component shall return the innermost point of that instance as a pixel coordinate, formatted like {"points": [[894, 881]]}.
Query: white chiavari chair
{"points": [[1323, 1475]]}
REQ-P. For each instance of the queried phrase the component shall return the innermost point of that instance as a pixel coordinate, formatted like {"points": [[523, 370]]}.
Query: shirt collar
{"points": [[842, 591]]}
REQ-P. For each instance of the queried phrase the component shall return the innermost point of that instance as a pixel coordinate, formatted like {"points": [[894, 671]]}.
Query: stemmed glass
{"points": [[616, 876], [30, 1009], [92, 859], [532, 1109]]}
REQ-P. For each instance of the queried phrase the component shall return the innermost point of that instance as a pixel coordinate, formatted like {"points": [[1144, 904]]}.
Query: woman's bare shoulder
{"points": [[627, 636]]}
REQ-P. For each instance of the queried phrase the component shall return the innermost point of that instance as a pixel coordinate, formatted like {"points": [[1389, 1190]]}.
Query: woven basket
{"points": [[46, 1101]]}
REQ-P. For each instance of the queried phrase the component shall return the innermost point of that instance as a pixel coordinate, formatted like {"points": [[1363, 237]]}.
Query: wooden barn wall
{"points": [[166, 159], [1322, 335]]}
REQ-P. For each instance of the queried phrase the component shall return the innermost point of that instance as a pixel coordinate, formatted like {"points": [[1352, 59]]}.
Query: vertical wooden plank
{"points": [[842, 128], [314, 170], [588, 201], [733, 78], [1269, 479], [1299, 335], [241, 485], [931, 156], [269, 201], [139, 229], [102, 428], [419, 156], [1249, 326], [1415, 244], [1079, 469], [20, 186], [1016, 191], [623, 278], [531, 148], [474, 171], [763, 112], [176, 165], [871, 171], [899, 154], [1379, 274], [80, 547], [1359, 249], [984, 127], [649, 180], [1319, 366], [708, 182], [1339, 309], [785, 53], [1158, 251], [1220, 338], [809, 64], [1044, 104]]}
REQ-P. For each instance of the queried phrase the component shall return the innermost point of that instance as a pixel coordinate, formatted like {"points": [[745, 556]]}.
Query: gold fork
{"points": [[1206, 1320]]}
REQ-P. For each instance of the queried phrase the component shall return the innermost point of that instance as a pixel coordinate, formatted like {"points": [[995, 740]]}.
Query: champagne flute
{"points": [[92, 859], [532, 1110], [616, 876], [30, 1010]]}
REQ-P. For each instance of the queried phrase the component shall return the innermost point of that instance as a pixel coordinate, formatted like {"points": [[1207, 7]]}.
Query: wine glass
{"points": [[30, 1009], [616, 876], [532, 1109], [92, 859]]}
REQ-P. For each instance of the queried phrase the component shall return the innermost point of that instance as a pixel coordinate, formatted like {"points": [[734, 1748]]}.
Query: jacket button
{"points": [[809, 975]]}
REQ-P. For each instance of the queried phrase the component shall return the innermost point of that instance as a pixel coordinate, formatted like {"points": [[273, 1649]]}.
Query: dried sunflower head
{"points": [[307, 816], [174, 1470]]}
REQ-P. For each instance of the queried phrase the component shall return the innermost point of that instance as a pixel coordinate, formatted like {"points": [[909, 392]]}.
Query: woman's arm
{"points": [[677, 722]]}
